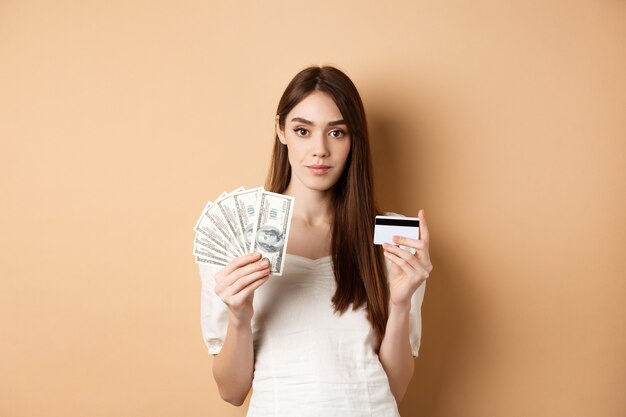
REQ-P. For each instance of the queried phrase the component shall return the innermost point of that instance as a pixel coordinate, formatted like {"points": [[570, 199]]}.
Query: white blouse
{"points": [[309, 360]]}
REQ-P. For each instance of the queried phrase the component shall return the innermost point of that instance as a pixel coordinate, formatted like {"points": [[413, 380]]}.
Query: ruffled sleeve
{"points": [[415, 319], [213, 311]]}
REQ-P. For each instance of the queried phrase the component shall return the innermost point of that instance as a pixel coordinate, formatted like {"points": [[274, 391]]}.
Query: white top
{"points": [[309, 361]]}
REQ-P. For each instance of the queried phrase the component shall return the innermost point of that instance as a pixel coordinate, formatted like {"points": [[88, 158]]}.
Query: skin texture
{"points": [[318, 145]]}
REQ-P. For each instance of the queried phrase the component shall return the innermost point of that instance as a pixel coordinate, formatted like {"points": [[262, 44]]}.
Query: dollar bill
{"points": [[229, 212], [247, 204], [202, 260], [209, 256], [205, 227], [271, 229], [242, 222], [217, 222], [207, 245]]}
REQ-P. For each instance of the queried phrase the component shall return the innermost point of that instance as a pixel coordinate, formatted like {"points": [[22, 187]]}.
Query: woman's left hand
{"points": [[408, 271]]}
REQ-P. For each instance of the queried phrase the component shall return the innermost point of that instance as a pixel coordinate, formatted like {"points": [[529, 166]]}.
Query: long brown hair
{"points": [[358, 265]]}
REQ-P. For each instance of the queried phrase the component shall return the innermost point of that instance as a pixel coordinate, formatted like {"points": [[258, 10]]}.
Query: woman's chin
{"points": [[316, 183], [319, 186]]}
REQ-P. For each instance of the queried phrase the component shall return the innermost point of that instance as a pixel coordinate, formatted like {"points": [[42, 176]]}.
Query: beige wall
{"points": [[504, 120]]}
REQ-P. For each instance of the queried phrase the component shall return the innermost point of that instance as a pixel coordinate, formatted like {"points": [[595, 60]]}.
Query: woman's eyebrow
{"points": [[308, 122]]}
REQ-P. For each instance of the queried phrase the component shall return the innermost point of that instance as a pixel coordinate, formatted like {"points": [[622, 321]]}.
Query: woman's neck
{"points": [[311, 206]]}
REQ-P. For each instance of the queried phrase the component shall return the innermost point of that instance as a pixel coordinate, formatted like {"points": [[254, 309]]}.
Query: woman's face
{"points": [[317, 140]]}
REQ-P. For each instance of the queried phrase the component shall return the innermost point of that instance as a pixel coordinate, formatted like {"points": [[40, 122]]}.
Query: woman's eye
{"points": [[337, 133], [301, 131]]}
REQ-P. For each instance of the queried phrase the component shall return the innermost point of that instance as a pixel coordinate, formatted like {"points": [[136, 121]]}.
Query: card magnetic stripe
{"points": [[397, 222]]}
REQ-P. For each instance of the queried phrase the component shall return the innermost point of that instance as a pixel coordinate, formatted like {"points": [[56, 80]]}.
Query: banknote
{"points": [[209, 256], [218, 222], [247, 204], [202, 260], [205, 227], [228, 208], [208, 246], [271, 229], [242, 222]]}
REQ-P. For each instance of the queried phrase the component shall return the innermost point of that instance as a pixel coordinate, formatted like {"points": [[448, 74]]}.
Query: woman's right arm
{"points": [[235, 284]]}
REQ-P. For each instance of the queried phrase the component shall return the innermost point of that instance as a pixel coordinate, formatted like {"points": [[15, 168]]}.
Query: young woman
{"points": [[337, 333]]}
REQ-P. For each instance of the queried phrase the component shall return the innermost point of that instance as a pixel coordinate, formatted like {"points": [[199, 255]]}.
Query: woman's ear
{"points": [[279, 132]]}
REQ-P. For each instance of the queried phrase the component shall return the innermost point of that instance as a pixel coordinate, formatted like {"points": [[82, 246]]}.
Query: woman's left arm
{"points": [[408, 271]]}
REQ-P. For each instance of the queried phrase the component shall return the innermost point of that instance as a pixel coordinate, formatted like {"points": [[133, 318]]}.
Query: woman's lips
{"points": [[319, 169]]}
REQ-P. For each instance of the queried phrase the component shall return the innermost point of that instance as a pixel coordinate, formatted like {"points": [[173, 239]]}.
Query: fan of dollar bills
{"points": [[242, 222]]}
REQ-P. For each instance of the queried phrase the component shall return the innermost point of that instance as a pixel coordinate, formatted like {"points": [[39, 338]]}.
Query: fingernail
{"points": [[265, 262]]}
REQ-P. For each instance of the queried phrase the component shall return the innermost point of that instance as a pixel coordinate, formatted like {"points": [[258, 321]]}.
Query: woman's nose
{"points": [[320, 147]]}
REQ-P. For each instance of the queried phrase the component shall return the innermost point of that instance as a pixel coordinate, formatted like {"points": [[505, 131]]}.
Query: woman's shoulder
{"points": [[392, 214]]}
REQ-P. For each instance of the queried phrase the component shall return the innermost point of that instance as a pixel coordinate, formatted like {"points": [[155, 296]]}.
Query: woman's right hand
{"points": [[236, 282]]}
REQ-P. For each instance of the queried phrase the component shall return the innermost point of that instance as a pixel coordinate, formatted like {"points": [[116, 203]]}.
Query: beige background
{"points": [[504, 120]]}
